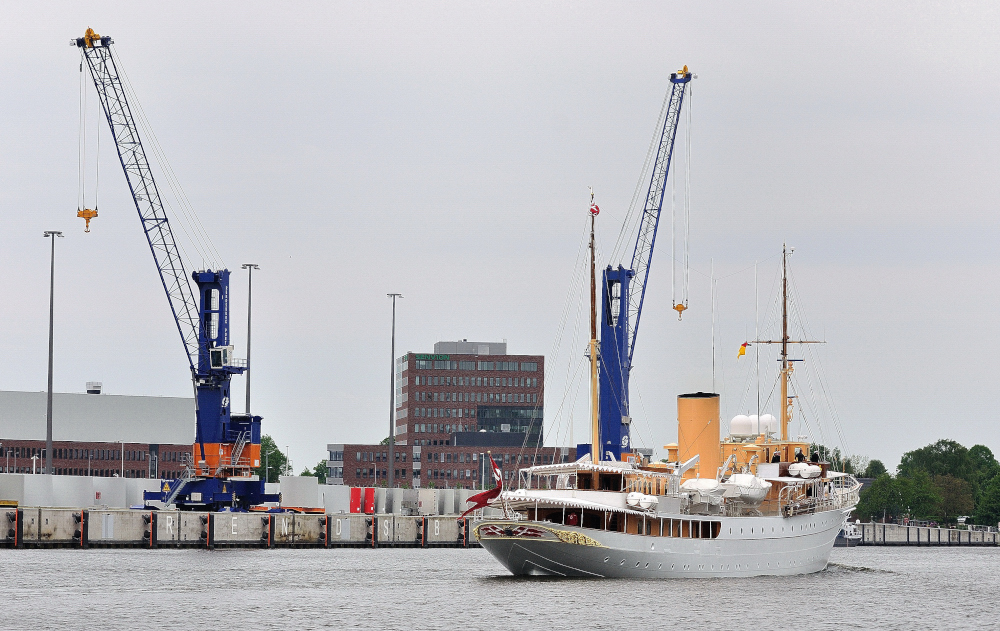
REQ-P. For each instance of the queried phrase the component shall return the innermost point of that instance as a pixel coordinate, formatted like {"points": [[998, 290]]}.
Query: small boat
{"points": [[850, 536]]}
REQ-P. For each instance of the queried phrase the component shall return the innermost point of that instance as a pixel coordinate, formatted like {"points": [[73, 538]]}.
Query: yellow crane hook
{"points": [[86, 214]]}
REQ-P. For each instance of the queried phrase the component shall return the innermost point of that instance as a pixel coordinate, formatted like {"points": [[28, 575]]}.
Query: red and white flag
{"points": [[481, 500]]}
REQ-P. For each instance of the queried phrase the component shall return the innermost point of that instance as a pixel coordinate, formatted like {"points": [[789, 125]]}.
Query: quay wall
{"points": [[47, 527], [874, 534]]}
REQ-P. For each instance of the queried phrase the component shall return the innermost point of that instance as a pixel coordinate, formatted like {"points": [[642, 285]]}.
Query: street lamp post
{"points": [[391, 478], [48, 406], [34, 460], [249, 267]]}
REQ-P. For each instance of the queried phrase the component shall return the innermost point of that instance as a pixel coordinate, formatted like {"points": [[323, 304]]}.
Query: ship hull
{"points": [[745, 546]]}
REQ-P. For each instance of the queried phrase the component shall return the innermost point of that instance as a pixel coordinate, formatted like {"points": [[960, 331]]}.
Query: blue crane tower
{"points": [[227, 446], [619, 329]]}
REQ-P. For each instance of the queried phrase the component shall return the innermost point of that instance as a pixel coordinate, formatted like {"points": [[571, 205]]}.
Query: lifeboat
{"points": [[746, 488]]}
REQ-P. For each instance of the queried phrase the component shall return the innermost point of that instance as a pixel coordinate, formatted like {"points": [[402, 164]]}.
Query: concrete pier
{"points": [[874, 534], [40, 527]]}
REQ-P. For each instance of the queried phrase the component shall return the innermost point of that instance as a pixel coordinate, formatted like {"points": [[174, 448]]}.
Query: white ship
{"points": [[744, 506]]}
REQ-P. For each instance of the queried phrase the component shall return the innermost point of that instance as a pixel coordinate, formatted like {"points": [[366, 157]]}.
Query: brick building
{"points": [[441, 466], [469, 387], [452, 407], [130, 460]]}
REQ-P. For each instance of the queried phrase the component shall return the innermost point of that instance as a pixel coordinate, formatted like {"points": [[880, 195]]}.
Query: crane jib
{"points": [[642, 256], [145, 194]]}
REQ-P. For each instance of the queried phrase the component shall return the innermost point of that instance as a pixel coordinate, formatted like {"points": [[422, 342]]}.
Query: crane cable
{"points": [[81, 149], [679, 296], [189, 221], [687, 198]]}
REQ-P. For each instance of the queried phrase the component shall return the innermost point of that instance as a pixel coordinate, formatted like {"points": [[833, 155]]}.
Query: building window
{"points": [[529, 366]]}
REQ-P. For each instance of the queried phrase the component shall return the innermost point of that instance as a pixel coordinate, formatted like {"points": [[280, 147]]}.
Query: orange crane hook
{"points": [[87, 214]]}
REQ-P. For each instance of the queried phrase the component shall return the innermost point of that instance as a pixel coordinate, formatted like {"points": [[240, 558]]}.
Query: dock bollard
{"points": [[14, 527], [149, 528], [265, 530]]}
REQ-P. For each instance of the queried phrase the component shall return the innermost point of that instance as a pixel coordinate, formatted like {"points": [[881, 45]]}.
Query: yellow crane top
{"points": [[89, 37]]}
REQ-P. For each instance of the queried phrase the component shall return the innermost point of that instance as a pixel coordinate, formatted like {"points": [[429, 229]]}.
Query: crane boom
{"points": [[176, 283], [642, 256]]}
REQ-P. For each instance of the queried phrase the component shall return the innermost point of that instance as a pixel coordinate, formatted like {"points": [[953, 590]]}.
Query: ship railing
{"points": [[815, 496]]}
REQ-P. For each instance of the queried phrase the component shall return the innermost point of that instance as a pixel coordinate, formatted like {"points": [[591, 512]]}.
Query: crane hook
{"points": [[86, 214]]}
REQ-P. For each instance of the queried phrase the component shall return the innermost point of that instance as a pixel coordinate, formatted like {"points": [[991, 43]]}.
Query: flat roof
{"points": [[98, 417]]}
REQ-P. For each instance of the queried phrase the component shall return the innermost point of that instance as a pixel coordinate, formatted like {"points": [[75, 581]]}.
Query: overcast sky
{"points": [[444, 150]]}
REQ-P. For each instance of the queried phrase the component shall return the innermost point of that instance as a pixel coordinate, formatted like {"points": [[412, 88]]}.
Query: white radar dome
{"points": [[768, 424], [739, 427], [754, 424]]}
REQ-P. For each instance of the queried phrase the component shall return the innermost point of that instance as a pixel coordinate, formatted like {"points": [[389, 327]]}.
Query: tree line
{"points": [[940, 482]]}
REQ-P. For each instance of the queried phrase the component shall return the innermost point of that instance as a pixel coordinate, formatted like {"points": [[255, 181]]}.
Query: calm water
{"points": [[864, 588]]}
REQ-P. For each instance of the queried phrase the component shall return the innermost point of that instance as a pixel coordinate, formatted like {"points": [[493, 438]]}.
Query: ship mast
{"points": [[595, 427], [786, 403], [786, 364]]}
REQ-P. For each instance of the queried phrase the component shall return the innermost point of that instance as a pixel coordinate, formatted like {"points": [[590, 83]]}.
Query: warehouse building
{"points": [[97, 434]]}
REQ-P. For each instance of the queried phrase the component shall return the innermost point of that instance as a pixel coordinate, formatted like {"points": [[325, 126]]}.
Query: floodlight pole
{"points": [[48, 405], [249, 267], [391, 480]]}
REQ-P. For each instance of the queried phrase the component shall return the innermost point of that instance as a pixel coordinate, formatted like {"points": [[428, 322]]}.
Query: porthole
{"points": [[652, 546], [646, 567], [659, 566], [622, 563], [671, 566], [637, 564], [606, 559]]}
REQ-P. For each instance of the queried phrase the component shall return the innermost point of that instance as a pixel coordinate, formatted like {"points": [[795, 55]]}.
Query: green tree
{"points": [[874, 469], [881, 499], [984, 466], [956, 497], [918, 495], [987, 511], [319, 471], [945, 457], [271, 457]]}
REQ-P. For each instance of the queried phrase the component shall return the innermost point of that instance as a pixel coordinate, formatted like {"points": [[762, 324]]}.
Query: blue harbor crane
{"points": [[622, 299], [219, 475]]}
